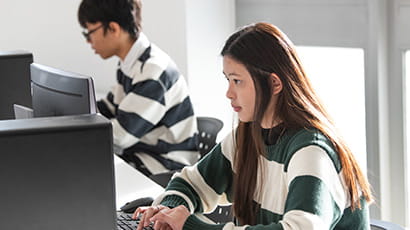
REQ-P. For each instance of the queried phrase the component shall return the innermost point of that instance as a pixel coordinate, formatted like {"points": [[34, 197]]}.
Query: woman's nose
{"points": [[229, 92]]}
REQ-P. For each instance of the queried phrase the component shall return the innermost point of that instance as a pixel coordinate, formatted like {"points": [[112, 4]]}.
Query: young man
{"points": [[151, 112]]}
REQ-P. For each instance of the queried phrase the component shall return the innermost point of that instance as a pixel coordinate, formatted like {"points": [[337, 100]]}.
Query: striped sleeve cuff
{"points": [[173, 201]]}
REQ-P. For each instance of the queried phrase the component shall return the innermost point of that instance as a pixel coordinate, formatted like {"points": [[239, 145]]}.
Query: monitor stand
{"points": [[22, 112]]}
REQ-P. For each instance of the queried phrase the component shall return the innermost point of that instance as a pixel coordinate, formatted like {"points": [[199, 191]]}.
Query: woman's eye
{"points": [[237, 81]]}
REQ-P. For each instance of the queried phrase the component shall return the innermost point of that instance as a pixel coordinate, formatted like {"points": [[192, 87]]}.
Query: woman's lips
{"points": [[236, 108]]}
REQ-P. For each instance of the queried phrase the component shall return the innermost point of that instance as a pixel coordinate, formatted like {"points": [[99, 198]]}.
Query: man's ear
{"points": [[276, 83], [114, 28]]}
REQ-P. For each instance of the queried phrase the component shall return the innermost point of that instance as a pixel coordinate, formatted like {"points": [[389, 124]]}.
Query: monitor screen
{"points": [[57, 92], [14, 81]]}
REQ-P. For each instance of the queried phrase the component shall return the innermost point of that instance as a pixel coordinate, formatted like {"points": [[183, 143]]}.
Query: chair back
{"points": [[208, 128]]}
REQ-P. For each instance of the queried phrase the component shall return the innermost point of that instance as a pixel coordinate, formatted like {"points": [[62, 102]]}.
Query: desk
{"points": [[131, 184]]}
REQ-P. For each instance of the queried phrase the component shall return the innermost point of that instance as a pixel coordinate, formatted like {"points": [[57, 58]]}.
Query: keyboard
{"points": [[125, 222]]}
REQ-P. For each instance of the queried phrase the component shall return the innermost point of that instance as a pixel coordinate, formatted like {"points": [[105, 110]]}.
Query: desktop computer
{"points": [[57, 173], [57, 170], [15, 81]]}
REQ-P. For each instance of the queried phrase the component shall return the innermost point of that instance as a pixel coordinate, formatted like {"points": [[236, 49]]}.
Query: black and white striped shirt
{"points": [[150, 109]]}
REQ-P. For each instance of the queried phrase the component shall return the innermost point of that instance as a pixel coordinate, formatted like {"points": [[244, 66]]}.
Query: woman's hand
{"points": [[171, 218], [146, 213]]}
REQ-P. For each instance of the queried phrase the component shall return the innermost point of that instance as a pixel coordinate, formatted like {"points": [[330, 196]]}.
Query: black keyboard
{"points": [[125, 222]]}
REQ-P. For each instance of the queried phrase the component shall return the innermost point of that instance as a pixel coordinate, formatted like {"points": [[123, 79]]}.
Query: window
{"points": [[337, 75]]}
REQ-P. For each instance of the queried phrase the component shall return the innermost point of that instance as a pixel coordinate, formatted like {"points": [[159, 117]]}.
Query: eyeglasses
{"points": [[87, 33]]}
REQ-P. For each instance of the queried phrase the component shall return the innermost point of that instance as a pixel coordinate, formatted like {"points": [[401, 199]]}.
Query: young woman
{"points": [[284, 166]]}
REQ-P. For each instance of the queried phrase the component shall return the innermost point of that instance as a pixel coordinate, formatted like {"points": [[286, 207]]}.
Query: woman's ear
{"points": [[276, 83]]}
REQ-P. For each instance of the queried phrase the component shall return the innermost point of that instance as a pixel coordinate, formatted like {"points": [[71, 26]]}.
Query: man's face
{"points": [[100, 39]]}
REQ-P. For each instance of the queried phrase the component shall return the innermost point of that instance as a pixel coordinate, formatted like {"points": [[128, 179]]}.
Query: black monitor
{"points": [[57, 92], [57, 173], [14, 81]]}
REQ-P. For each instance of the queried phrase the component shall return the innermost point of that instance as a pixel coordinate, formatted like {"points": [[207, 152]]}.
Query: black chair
{"points": [[208, 129], [384, 225]]}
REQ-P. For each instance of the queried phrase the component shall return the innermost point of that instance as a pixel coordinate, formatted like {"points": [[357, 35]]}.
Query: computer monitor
{"points": [[56, 92], [14, 81], [57, 173]]}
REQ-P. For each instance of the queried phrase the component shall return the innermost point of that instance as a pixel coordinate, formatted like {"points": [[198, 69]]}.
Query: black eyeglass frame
{"points": [[87, 34]]}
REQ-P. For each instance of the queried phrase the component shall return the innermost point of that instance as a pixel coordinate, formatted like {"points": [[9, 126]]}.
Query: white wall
{"points": [[209, 23], [164, 22], [339, 23], [49, 29]]}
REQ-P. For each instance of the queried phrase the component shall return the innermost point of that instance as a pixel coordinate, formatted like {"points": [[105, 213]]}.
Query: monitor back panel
{"points": [[59, 93], [14, 81], [57, 173]]}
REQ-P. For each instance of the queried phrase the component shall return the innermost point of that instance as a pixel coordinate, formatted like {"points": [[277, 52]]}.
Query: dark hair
{"points": [[127, 13], [263, 49]]}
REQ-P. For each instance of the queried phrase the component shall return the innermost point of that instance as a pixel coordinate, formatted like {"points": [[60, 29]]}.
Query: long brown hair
{"points": [[263, 49]]}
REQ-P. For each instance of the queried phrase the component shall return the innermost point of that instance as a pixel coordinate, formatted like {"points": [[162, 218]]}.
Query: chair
{"points": [[208, 128], [384, 225], [222, 214]]}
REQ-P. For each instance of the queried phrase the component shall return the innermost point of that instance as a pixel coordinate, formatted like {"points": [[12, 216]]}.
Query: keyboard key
{"points": [[125, 222]]}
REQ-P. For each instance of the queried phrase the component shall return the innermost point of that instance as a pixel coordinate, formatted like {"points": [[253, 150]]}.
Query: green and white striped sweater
{"points": [[303, 186]]}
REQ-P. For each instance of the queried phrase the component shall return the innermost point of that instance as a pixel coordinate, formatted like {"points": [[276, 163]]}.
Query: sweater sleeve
{"points": [[201, 187], [204, 185]]}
